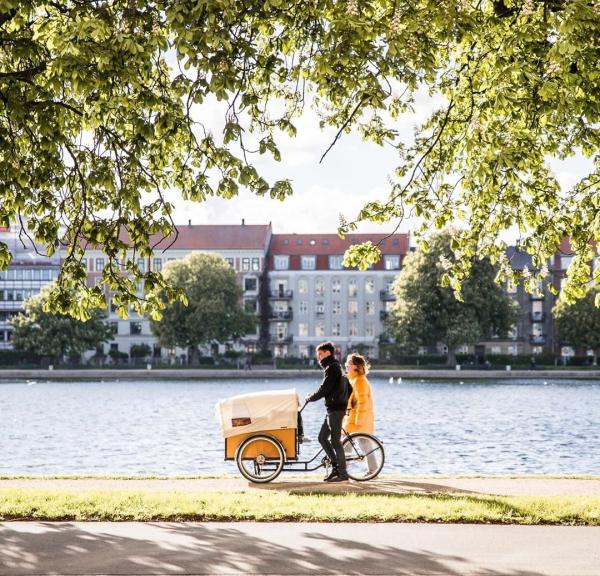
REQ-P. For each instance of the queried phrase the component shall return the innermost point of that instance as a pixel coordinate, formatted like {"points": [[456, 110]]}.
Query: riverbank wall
{"points": [[212, 374]]}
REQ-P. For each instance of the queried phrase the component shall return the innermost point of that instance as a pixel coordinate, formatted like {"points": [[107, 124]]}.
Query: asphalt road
{"points": [[35, 548]]}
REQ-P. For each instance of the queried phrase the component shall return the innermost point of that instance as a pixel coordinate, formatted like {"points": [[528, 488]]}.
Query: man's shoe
{"points": [[331, 475], [338, 479]]}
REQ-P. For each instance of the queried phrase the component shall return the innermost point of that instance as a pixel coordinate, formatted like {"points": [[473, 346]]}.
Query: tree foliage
{"points": [[97, 129], [426, 312], [578, 323], [214, 310], [56, 335]]}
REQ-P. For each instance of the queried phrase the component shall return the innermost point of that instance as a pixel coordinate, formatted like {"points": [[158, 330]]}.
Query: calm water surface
{"points": [[430, 427]]}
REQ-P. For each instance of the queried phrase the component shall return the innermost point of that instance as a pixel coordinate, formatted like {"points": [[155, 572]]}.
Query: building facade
{"points": [[313, 298], [243, 246], [28, 272]]}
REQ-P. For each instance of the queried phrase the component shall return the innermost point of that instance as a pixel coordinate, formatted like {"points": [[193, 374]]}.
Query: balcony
{"points": [[386, 296], [384, 315], [537, 338], [279, 339], [537, 316], [281, 315], [281, 294]]}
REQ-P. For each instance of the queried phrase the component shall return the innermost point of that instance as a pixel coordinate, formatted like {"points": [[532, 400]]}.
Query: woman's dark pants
{"points": [[330, 437]]}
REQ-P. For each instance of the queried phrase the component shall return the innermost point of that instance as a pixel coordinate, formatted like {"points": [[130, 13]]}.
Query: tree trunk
{"points": [[451, 357], [193, 356]]}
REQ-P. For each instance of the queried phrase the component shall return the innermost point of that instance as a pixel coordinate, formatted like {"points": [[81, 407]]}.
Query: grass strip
{"points": [[130, 505]]}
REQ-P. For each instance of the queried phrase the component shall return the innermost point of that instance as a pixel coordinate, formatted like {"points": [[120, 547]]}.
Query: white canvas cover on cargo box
{"points": [[258, 411]]}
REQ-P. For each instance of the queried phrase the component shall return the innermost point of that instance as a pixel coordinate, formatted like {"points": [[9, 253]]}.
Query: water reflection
{"points": [[505, 427]]}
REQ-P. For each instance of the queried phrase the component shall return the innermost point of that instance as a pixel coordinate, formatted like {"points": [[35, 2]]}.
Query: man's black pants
{"points": [[330, 437]]}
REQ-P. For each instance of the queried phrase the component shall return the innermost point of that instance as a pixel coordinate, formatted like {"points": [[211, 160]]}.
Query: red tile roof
{"points": [[217, 237], [326, 244]]}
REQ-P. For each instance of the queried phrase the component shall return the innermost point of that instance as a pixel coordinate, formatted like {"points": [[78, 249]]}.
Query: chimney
{"points": [[189, 222], [243, 222]]}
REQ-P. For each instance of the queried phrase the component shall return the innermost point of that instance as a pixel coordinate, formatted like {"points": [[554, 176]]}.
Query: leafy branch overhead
{"points": [[105, 115]]}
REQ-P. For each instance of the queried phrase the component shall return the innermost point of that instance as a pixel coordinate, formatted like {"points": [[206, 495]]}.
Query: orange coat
{"points": [[360, 416]]}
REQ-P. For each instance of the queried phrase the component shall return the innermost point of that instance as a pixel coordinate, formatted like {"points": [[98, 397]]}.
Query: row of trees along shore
{"points": [[426, 311]]}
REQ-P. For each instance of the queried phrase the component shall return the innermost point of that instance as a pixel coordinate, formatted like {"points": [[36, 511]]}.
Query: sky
{"points": [[353, 172]]}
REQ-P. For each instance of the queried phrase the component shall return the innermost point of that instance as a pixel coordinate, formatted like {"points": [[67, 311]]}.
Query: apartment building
{"points": [[243, 246], [28, 272], [314, 298]]}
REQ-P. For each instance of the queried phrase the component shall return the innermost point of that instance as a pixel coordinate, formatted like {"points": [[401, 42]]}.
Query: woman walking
{"points": [[360, 416]]}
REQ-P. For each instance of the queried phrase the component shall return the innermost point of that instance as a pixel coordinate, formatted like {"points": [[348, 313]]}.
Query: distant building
{"points": [[28, 272], [314, 298], [243, 246]]}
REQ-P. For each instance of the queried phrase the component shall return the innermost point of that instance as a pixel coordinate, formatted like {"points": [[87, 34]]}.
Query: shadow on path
{"points": [[170, 548]]}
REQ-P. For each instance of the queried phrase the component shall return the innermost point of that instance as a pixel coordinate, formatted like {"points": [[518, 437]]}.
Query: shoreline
{"points": [[212, 374]]}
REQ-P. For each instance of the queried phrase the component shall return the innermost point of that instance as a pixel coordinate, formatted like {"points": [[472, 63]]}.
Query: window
{"points": [[496, 350], [37, 274], [299, 242], [336, 329], [336, 286], [303, 329], [245, 264], [369, 330], [285, 241], [336, 307], [114, 328], [369, 286], [319, 287], [565, 261], [325, 242], [47, 273], [353, 308], [370, 307], [250, 306], [302, 286], [18, 295], [250, 284], [281, 330], [392, 262], [256, 264], [135, 328], [308, 262], [157, 264], [27, 274], [389, 283], [352, 288], [19, 274], [335, 262], [281, 262], [319, 308], [320, 329], [303, 307], [99, 265], [352, 329]]}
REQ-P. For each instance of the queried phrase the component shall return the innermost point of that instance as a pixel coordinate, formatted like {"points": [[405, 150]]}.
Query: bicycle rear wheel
{"points": [[260, 458], [365, 456]]}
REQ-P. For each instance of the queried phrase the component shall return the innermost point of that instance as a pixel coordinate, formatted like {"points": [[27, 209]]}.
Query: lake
{"points": [[428, 427]]}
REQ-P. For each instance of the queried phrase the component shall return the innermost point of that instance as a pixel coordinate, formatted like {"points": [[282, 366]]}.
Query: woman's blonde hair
{"points": [[362, 366]]}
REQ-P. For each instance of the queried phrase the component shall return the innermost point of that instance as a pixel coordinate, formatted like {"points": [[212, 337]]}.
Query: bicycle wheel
{"points": [[260, 458], [364, 456]]}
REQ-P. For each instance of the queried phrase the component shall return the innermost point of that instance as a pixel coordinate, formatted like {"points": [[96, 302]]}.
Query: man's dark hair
{"points": [[327, 346]]}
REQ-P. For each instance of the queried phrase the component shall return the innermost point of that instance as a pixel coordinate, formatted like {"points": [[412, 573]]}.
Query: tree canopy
{"points": [[98, 130], [578, 323], [56, 335], [427, 313], [213, 310]]}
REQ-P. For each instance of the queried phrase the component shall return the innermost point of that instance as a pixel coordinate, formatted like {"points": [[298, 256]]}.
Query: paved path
{"points": [[35, 548], [384, 485]]}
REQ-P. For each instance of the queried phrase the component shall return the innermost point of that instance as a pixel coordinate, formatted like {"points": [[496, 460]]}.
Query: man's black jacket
{"points": [[333, 388]]}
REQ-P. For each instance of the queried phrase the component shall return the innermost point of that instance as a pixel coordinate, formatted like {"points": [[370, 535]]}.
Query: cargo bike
{"points": [[261, 435]]}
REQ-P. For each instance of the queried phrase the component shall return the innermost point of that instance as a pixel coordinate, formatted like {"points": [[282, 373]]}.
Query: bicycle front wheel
{"points": [[364, 456]]}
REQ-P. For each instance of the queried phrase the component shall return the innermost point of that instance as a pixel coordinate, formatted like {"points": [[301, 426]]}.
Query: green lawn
{"points": [[34, 504]]}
